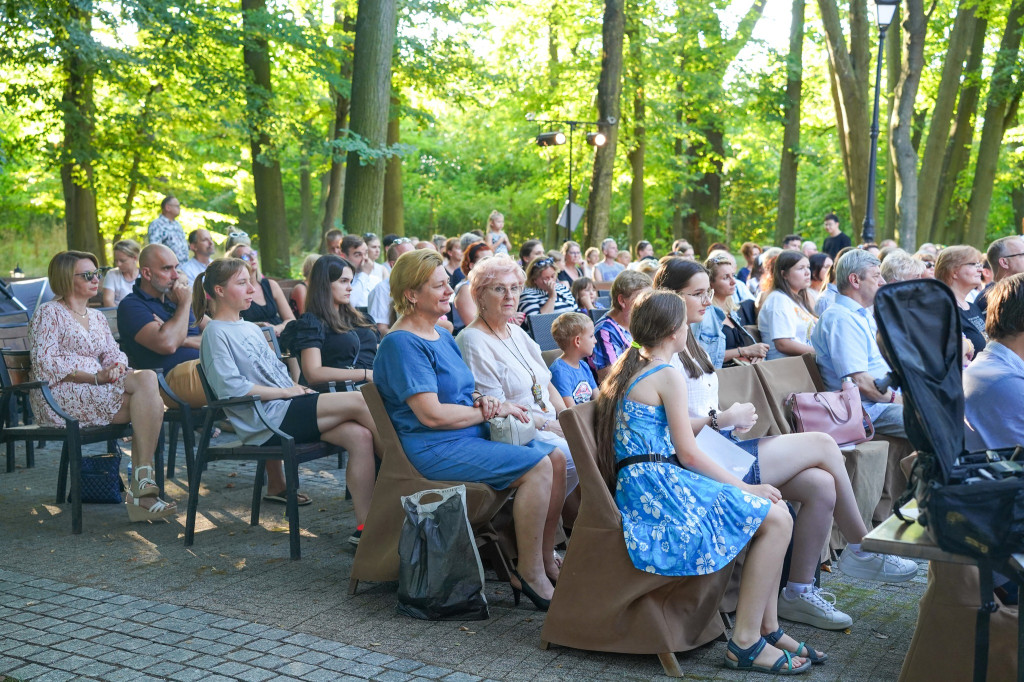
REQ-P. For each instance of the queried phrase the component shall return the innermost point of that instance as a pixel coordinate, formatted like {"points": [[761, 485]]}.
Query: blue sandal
{"points": [[745, 660], [808, 653]]}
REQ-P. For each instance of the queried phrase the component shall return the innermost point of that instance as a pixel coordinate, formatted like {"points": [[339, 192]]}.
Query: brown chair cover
{"points": [[943, 643], [377, 555], [866, 464], [602, 602]]}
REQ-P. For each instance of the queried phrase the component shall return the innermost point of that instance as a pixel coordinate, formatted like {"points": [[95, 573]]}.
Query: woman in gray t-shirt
{"points": [[239, 362]]}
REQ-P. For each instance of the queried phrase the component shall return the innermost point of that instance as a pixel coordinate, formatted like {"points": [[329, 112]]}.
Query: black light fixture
{"points": [[886, 12], [596, 139], [551, 139]]}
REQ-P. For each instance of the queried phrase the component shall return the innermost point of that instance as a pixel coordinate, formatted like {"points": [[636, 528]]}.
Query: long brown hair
{"points": [[656, 315], [783, 264], [674, 275], [320, 301]]}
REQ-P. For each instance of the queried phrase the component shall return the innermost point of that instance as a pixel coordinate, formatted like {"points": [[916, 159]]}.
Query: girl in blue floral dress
{"points": [[682, 514]]}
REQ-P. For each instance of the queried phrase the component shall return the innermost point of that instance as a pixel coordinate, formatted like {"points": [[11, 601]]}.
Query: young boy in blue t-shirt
{"points": [[573, 378]]}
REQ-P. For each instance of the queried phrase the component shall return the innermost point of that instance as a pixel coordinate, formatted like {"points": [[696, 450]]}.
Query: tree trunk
{"points": [[307, 215], [785, 219], [681, 162], [266, 169], [376, 24], [609, 87], [81, 220], [905, 157], [552, 232], [636, 153], [948, 222], [851, 69], [336, 176], [706, 196], [394, 208], [1001, 92], [941, 119]]}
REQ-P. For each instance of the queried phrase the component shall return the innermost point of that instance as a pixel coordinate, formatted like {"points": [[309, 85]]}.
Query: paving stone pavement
{"points": [[128, 601]]}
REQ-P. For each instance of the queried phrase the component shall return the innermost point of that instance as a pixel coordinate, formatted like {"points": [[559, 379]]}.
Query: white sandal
{"points": [[143, 486], [159, 510]]}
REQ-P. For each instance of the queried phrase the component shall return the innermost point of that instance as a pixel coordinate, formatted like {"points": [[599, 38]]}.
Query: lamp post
{"points": [[550, 139], [886, 10]]}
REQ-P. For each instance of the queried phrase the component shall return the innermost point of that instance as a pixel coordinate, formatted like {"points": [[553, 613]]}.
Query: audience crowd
{"points": [[445, 329]]}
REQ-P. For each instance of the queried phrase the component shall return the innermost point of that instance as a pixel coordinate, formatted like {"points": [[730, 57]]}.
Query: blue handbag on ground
{"points": [[101, 479]]}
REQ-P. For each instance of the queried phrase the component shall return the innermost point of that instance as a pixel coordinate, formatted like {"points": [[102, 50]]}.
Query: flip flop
{"points": [[282, 498]]}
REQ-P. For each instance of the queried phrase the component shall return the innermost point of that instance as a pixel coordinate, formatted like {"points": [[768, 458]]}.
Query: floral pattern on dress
{"points": [[60, 345], [674, 521]]}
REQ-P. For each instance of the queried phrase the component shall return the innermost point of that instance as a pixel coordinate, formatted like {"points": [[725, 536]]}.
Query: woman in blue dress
{"points": [[683, 514], [429, 392]]}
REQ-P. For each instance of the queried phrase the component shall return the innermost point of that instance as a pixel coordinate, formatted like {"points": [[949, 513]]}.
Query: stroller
{"points": [[970, 503]]}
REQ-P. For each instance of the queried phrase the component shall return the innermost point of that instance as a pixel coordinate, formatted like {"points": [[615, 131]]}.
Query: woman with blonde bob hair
{"points": [[119, 280], [440, 418], [959, 268], [73, 350]]}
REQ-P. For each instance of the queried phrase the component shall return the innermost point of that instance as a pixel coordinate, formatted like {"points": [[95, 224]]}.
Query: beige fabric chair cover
{"points": [[866, 464], [943, 643], [377, 554], [602, 602]]}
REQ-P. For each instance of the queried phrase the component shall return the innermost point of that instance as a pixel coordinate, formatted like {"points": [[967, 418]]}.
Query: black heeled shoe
{"points": [[538, 601]]}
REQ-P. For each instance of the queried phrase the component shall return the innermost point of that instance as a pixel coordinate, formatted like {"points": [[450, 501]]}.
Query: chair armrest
{"points": [[24, 387], [262, 414], [231, 402], [44, 388], [162, 382], [325, 387]]}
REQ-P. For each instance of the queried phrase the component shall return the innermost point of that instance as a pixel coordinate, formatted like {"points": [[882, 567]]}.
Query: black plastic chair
{"points": [[287, 449], [540, 330], [15, 369]]}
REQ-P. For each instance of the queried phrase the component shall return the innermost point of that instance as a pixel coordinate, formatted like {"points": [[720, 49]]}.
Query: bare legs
{"points": [[144, 408], [756, 610], [343, 420], [538, 503], [808, 468]]}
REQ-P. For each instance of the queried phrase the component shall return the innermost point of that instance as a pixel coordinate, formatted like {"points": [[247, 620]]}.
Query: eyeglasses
{"points": [[977, 266], [238, 235], [401, 240], [501, 291], [706, 295], [1013, 255], [89, 275], [249, 257], [929, 265]]}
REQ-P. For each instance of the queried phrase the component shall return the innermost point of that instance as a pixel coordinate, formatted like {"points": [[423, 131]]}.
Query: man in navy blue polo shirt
{"points": [[156, 324]]}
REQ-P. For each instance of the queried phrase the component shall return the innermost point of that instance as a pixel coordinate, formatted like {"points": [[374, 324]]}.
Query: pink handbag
{"points": [[839, 414]]}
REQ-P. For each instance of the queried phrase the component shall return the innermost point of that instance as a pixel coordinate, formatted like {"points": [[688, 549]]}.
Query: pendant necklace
{"points": [[536, 390]]}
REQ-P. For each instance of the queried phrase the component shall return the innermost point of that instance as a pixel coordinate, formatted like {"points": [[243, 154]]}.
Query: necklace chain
{"points": [[517, 354], [82, 315]]}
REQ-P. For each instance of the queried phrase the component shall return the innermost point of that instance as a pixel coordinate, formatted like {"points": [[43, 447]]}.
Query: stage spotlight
{"points": [[550, 139], [596, 139]]}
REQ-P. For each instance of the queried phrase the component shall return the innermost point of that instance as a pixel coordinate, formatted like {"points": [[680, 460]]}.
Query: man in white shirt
{"points": [[200, 243], [353, 249], [167, 230], [380, 296]]}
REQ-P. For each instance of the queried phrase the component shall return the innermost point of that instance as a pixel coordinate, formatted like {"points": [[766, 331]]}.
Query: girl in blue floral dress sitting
{"points": [[683, 514]]}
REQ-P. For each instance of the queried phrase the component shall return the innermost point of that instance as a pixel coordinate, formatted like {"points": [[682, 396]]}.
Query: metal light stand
{"points": [[573, 125]]}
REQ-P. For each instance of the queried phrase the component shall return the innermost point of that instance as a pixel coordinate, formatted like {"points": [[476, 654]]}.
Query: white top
{"points": [[701, 393], [116, 281], [379, 305], [497, 371], [192, 269], [362, 285], [380, 272], [782, 318]]}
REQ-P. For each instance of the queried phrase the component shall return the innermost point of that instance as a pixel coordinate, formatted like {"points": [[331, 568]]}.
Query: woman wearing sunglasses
{"points": [[73, 350], [544, 293]]}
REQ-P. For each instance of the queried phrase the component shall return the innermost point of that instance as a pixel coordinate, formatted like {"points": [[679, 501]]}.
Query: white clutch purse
{"points": [[510, 430]]}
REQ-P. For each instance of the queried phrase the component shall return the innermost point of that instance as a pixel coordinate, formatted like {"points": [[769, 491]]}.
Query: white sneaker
{"points": [[814, 607], [884, 568]]}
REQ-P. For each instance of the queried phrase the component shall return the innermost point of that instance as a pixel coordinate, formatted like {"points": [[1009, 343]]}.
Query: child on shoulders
{"points": [[572, 377]]}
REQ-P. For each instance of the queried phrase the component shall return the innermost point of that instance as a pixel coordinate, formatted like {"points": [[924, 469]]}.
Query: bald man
{"points": [[157, 327]]}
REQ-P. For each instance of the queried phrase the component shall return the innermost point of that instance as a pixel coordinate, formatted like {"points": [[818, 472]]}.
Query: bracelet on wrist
{"points": [[96, 378], [892, 396], [544, 426], [713, 413]]}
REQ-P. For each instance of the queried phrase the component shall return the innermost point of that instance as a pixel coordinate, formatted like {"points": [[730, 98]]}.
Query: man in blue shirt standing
{"points": [[994, 382], [845, 344]]}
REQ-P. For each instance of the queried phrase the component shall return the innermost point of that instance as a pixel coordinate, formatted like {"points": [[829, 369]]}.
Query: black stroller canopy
{"points": [[920, 337]]}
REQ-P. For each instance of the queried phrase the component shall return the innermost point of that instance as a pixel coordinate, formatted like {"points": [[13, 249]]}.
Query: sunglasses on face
{"points": [[401, 240], [238, 235], [89, 275]]}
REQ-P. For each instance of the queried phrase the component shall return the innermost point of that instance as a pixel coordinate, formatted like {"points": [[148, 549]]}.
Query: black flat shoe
{"points": [[538, 601]]}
